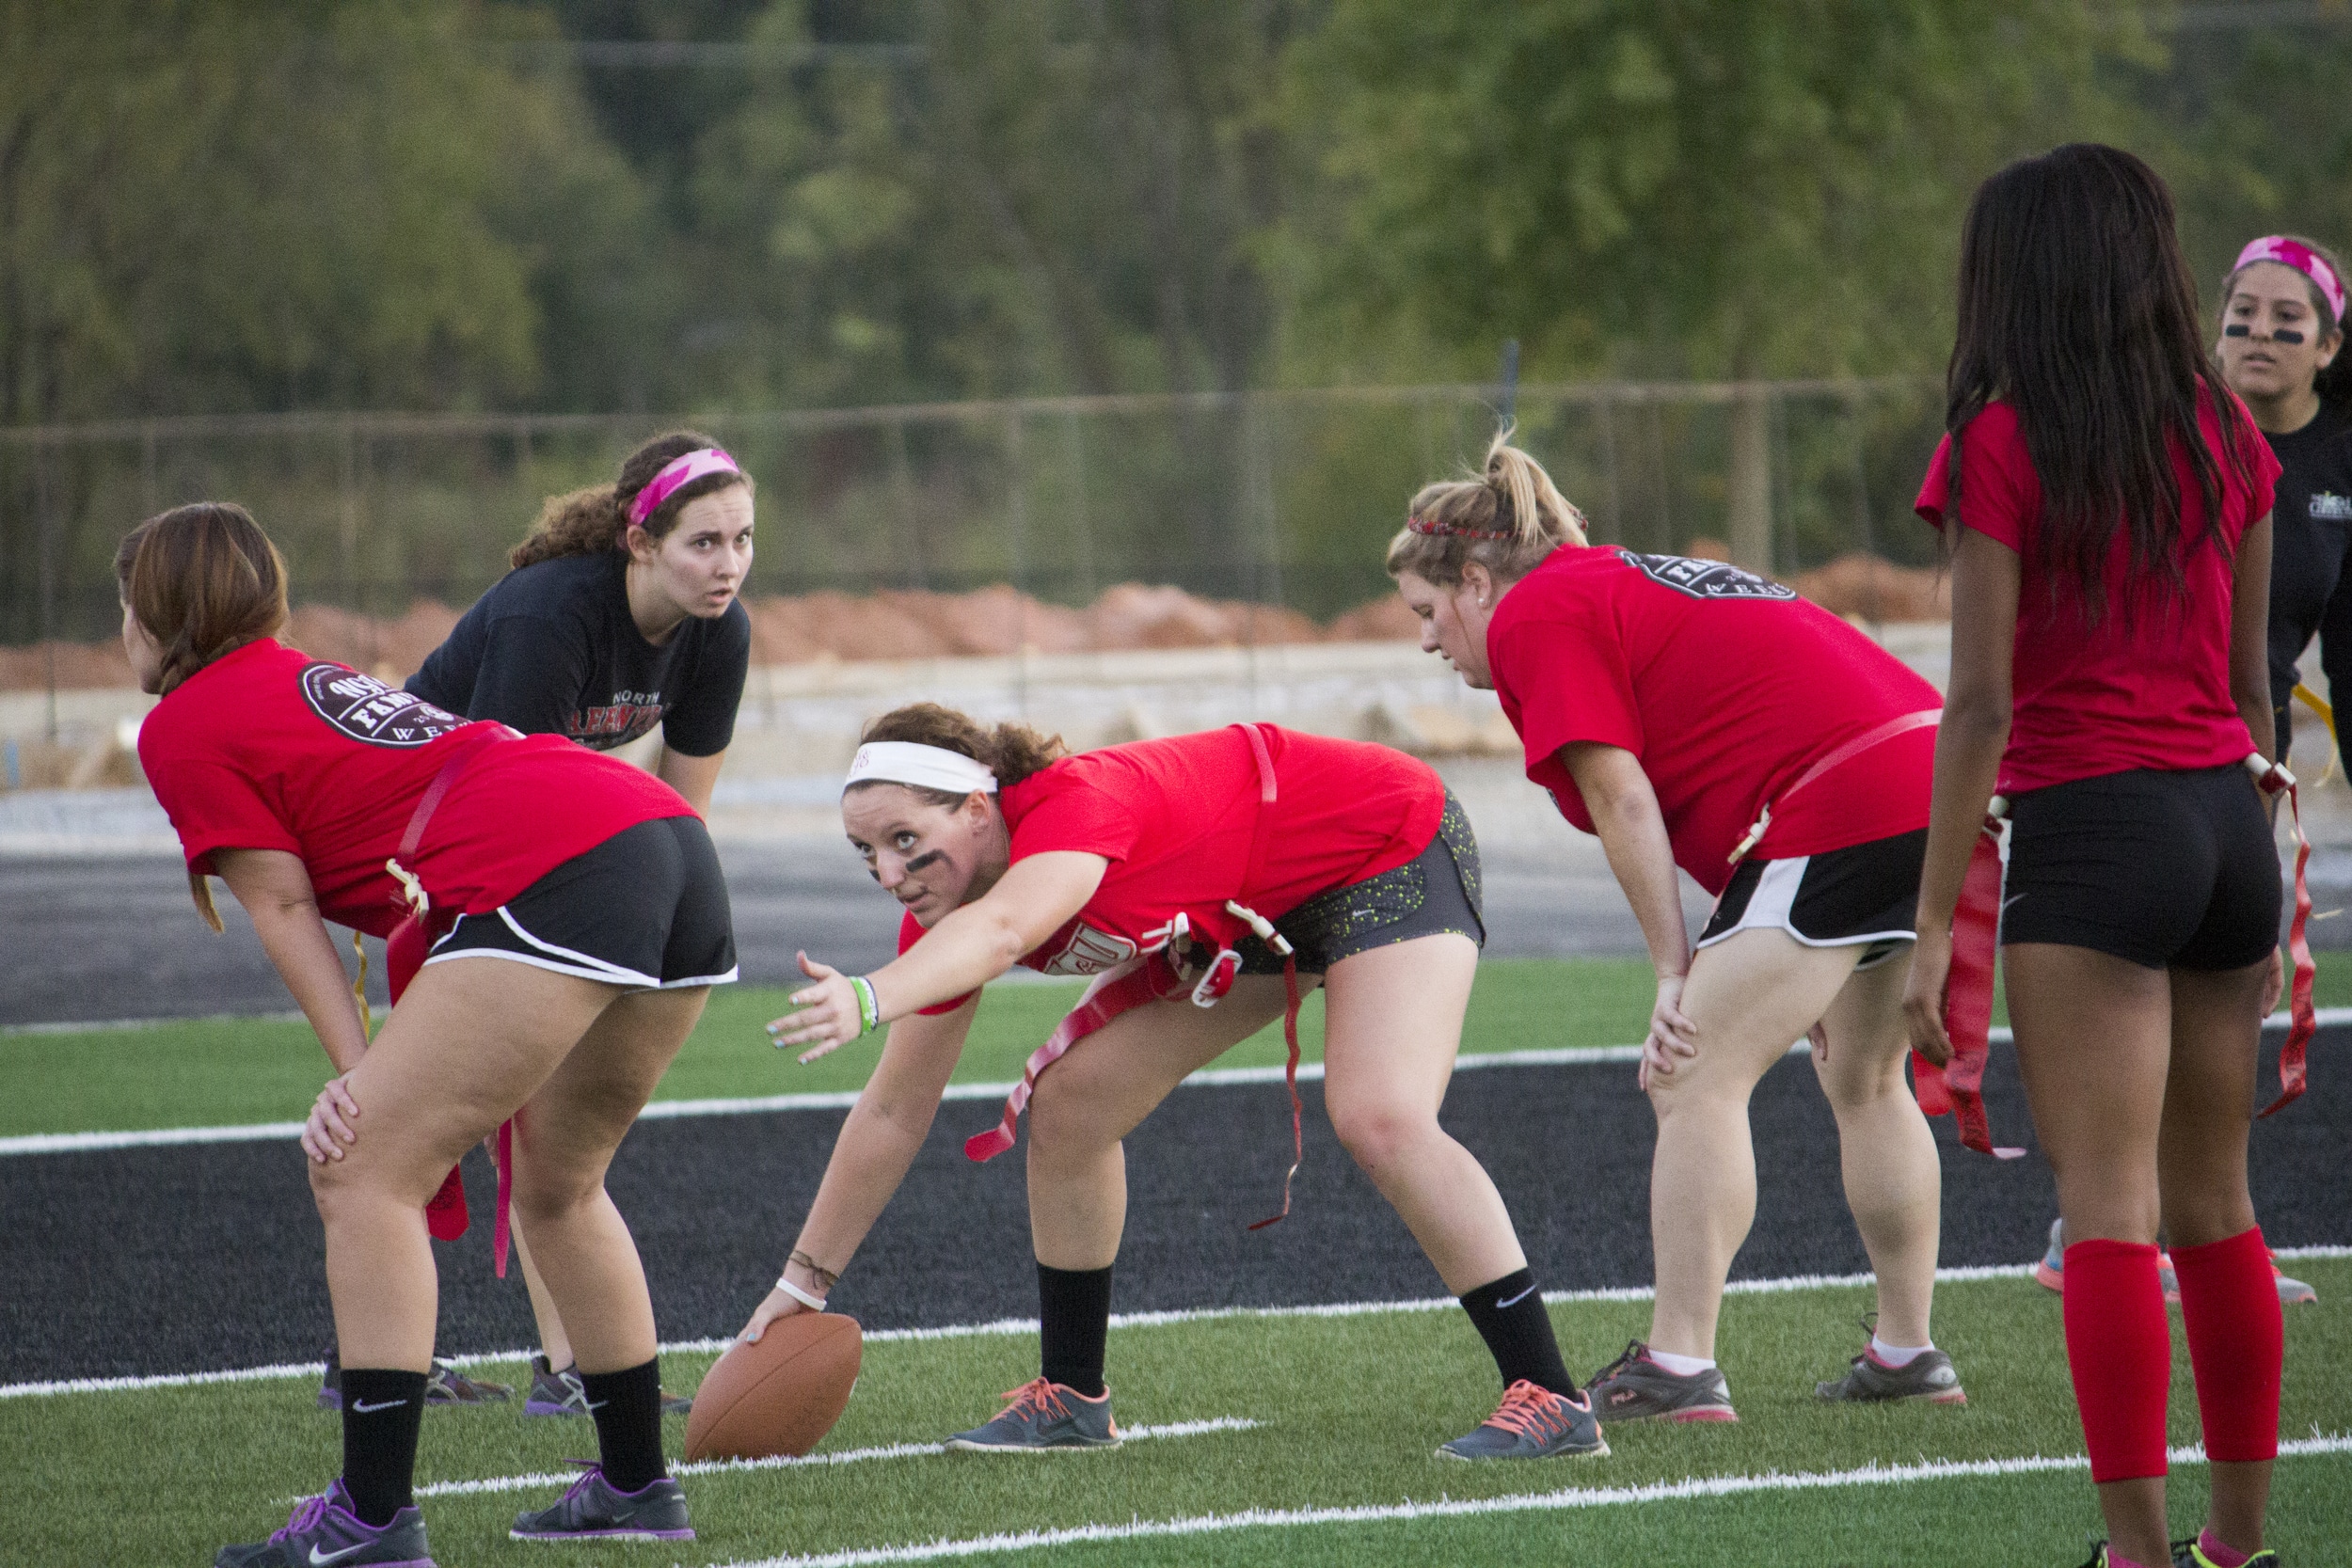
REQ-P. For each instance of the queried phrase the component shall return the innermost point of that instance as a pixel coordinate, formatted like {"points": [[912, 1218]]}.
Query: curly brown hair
{"points": [[1011, 752], [589, 521]]}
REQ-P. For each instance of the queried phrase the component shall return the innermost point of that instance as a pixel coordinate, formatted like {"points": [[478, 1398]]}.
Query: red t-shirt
{"points": [[2148, 690], [1726, 686], [1176, 817], [267, 747]]}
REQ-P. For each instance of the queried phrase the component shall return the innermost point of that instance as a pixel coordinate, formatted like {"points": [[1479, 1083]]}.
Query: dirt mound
{"points": [[1875, 588], [910, 623]]}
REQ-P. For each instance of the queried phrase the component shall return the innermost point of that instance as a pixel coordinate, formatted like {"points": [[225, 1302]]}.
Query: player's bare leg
{"points": [[1894, 1178], [1393, 1024], [1100, 1092], [1751, 996]]}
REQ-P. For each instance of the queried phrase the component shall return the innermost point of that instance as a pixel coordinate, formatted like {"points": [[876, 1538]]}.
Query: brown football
{"points": [[779, 1395]]}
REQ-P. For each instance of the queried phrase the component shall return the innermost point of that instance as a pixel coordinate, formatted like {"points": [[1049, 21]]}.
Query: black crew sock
{"points": [[628, 1407], [382, 1409], [1075, 1318], [1509, 1315]]}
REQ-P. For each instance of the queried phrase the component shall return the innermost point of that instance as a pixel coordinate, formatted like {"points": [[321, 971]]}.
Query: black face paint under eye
{"points": [[2287, 334], [924, 861]]}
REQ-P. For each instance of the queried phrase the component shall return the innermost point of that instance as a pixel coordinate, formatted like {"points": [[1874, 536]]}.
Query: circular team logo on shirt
{"points": [[1706, 579], [366, 709]]}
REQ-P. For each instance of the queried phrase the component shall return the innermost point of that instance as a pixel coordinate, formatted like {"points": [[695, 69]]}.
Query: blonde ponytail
{"points": [[1507, 520]]}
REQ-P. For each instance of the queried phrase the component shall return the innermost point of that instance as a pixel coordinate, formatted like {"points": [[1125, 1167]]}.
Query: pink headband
{"points": [[2296, 253], [679, 471]]}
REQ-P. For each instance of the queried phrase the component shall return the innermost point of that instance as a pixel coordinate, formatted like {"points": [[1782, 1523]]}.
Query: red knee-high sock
{"points": [[2235, 1343], [2118, 1345]]}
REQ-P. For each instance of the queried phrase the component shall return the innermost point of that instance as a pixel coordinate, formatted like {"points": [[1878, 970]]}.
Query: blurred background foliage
{"points": [[215, 205], [642, 207]]}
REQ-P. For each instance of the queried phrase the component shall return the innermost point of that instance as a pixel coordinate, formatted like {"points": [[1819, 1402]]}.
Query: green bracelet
{"points": [[868, 1009]]}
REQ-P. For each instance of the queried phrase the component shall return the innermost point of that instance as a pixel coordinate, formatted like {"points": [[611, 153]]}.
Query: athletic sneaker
{"points": [[1633, 1388], [2185, 1555], [1533, 1423], [444, 1384], [554, 1393], [324, 1530], [2050, 1273], [594, 1510], [1928, 1375], [1045, 1416]]}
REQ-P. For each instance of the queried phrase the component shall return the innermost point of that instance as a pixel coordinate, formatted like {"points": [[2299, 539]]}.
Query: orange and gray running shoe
{"points": [[1633, 1388], [1928, 1376], [1045, 1416], [1533, 1423]]}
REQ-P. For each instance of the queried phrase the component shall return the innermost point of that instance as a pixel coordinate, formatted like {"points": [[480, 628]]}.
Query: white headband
{"points": [[907, 762]]}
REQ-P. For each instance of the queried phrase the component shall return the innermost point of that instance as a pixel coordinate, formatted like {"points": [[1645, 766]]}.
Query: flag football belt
{"points": [[1968, 989], [1185, 964], [405, 952], [1903, 724]]}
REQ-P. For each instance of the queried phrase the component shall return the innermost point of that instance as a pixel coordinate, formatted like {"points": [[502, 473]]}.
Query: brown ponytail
{"points": [[1507, 520], [1011, 752], [202, 581], [589, 521]]}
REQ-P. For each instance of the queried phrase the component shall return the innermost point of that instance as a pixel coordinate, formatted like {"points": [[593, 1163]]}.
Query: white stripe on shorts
{"points": [[1770, 905]]}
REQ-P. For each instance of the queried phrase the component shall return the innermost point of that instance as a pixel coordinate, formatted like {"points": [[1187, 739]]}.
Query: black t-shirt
{"points": [[2311, 530], [552, 649]]}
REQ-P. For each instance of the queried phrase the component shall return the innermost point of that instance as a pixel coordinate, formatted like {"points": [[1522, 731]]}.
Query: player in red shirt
{"points": [[318, 793], [1175, 872], [1695, 715], [2105, 502]]}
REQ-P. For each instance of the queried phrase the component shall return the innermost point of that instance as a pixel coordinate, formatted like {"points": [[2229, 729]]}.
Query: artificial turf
{"points": [[1349, 1409], [234, 1072]]}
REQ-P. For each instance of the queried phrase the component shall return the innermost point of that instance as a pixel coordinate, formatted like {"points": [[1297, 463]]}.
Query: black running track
{"points": [[203, 1256]]}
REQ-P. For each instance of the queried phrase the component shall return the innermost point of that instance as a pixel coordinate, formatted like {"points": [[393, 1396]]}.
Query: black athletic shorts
{"points": [[1435, 892], [1866, 896], [646, 909], [2167, 870]]}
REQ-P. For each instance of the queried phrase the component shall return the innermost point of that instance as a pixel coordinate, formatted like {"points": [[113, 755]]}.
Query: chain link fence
{"points": [[1275, 497]]}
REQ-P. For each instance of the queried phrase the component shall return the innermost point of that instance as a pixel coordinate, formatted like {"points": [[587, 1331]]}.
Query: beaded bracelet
{"points": [[868, 1009], [823, 1276]]}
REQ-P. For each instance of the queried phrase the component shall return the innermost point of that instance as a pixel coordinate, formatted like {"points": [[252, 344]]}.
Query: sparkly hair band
{"points": [[1431, 526], [908, 763], [2303, 259], [677, 471]]}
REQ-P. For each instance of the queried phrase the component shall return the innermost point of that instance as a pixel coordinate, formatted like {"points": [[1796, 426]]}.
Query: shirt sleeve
{"points": [[1998, 492], [700, 723], [1571, 683], [911, 932], [532, 675], [212, 805]]}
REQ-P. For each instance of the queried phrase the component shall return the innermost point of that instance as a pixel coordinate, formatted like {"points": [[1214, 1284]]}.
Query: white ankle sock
{"points": [[1897, 1355], [1681, 1366]]}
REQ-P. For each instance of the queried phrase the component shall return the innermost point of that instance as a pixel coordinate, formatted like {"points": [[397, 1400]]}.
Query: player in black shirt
{"points": [[2281, 331], [620, 614]]}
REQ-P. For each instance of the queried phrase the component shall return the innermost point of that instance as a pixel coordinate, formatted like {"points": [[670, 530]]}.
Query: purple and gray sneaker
{"points": [[323, 1531], [594, 1510]]}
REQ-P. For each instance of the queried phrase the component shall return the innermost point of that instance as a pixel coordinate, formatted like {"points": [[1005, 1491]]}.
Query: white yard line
{"points": [[814, 1461], [1014, 1326], [664, 1110], [1694, 1488]]}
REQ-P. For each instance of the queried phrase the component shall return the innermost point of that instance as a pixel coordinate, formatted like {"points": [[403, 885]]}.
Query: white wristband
{"points": [[814, 1304]]}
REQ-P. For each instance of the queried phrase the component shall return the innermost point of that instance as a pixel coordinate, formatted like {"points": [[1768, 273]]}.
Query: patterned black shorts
{"points": [[1437, 891]]}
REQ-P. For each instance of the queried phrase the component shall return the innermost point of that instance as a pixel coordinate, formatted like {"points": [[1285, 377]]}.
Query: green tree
{"points": [[1677, 188]]}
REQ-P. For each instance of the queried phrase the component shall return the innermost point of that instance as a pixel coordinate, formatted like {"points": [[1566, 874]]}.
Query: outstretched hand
{"points": [[1671, 1034], [828, 1016], [1923, 994]]}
